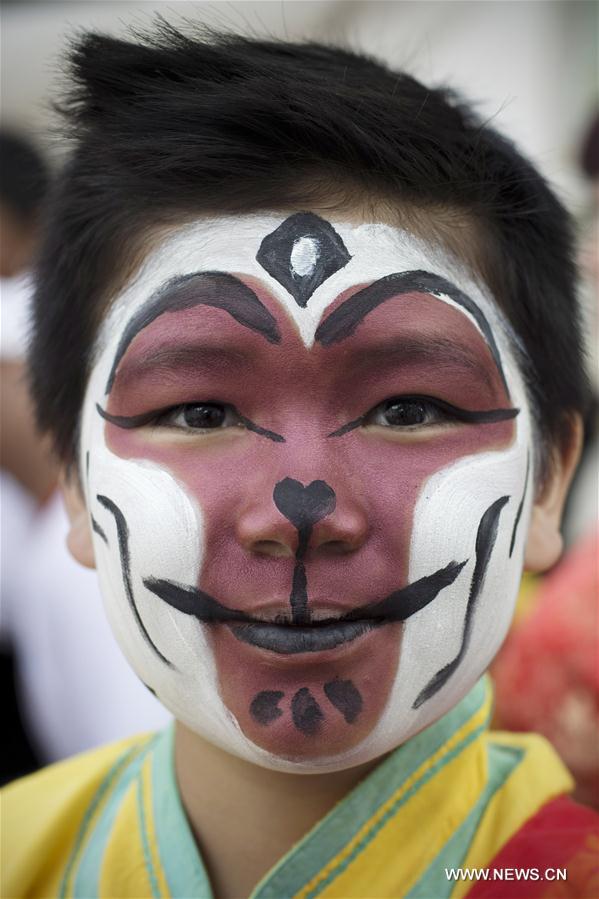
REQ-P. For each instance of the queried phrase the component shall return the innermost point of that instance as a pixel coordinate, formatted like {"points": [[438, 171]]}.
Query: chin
{"points": [[308, 705]]}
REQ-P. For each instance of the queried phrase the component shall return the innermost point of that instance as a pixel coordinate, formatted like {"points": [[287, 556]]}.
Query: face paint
{"points": [[309, 484]]}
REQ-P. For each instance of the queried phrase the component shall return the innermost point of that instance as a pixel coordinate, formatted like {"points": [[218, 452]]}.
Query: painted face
{"points": [[307, 462]]}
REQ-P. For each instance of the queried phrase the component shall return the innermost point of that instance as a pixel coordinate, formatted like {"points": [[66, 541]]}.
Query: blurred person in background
{"points": [[24, 180], [52, 623], [547, 673], [27, 474]]}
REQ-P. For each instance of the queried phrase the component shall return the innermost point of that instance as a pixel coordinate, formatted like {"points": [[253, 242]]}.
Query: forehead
{"points": [[304, 262]]}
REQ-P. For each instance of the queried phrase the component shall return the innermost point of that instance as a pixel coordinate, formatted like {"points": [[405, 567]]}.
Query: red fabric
{"points": [[547, 674], [562, 834]]}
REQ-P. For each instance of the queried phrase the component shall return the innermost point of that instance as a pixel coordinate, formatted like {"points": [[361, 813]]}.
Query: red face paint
{"points": [[413, 344]]}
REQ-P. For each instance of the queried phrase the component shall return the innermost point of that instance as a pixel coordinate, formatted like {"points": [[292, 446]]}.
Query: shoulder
{"points": [[43, 814]]}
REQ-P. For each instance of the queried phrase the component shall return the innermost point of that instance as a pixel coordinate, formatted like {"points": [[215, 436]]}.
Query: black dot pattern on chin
{"points": [[346, 698], [265, 706], [306, 712]]}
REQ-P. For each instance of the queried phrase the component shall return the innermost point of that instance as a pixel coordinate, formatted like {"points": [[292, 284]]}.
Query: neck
{"points": [[241, 811]]}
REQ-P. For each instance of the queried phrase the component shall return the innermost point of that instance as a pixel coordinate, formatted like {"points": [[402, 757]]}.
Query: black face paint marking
{"points": [[217, 289], [138, 421], [306, 712], [263, 432], [520, 507], [346, 698], [153, 692], [292, 636], [307, 231], [299, 595], [468, 416], [402, 604], [192, 601], [126, 422], [123, 538], [87, 464], [485, 541], [265, 706], [303, 507], [99, 529], [350, 426], [344, 320]]}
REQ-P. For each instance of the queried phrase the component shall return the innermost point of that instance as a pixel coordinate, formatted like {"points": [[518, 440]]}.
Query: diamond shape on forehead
{"points": [[302, 253]]}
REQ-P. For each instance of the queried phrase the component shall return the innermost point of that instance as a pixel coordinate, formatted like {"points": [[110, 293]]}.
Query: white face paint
{"points": [[190, 524]]}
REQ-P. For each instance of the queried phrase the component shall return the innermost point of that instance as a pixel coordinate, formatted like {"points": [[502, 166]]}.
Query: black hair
{"points": [[24, 177], [174, 124]]}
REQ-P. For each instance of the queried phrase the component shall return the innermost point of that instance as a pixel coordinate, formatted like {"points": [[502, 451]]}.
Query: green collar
{"points": [[350, 831]]}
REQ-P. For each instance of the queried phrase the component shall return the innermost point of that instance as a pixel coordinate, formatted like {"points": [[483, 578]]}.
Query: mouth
{"points": [[290, 639], [306, 635]]}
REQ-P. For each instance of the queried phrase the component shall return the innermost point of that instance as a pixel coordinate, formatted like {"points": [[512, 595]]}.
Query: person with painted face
{"points": [[307, 343]]}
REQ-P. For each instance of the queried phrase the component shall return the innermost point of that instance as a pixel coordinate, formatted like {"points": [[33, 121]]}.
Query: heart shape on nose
{"points": [[304, 506]]}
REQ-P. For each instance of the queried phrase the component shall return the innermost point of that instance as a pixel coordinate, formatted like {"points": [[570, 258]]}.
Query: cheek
{"points": [[126, 501], [380, 477], [218, 476], [397, 473]]}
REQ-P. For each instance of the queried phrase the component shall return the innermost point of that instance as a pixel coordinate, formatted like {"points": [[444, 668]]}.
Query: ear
{"points": [[79, 538], [545, 544]]}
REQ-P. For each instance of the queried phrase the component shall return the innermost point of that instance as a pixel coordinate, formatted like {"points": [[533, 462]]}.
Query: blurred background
{"points": [[529, 66]]}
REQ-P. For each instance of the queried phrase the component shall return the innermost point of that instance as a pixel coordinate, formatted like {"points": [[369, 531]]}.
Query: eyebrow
{"points": [[403, 350], [218, 360], [342, 323], [217, 289]]}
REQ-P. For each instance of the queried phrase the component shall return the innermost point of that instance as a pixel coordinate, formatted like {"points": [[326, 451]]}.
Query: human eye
{"points": [[200, 417], [409, 412]]}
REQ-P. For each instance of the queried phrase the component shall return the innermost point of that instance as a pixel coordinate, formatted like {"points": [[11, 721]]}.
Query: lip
{"points": [[291, 639], [305, 634]]}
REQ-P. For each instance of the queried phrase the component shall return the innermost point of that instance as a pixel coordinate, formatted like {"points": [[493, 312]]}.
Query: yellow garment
{"points": [[110, 823]]}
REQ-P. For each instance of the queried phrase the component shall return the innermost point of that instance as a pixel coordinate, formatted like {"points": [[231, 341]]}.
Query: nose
{"points": [[301, 518], [304, 506]]}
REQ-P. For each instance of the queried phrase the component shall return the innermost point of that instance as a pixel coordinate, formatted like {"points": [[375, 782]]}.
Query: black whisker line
{"points": [[99, 530], [397, 606], [263, 432], [350, 426], [402, 604], [123, 538], [485, 541], [520, 506], [192, 601]]}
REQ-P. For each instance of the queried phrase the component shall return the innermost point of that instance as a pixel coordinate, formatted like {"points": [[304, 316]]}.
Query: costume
{"points": [[110, 823]]}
